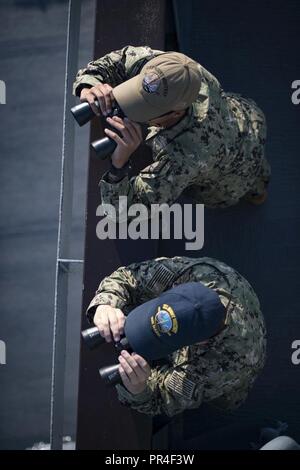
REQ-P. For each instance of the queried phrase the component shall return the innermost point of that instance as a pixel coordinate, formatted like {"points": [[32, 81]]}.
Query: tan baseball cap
{"points": [[169, 82]]}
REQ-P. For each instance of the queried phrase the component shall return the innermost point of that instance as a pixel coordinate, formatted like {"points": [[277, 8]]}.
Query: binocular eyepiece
{"points": [[83, 113], [109, 374]]}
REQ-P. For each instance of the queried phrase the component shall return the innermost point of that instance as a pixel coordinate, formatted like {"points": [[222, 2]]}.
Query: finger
{"points": [[118, 119], [98, 323], [90, 98], [124, 376], [103, 326], [83, 94], [135, 128], [101, 100], [132, 377], [142, 372], [115, 137], [119, 124], [113, 101], [121, 320], [103, 91], [114, 325], [143, 364], [107, 97], [133, 364]]}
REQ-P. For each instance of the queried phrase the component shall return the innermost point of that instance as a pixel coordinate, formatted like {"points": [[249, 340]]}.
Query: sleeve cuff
{"points": [[115, 175], [130, 399], [87, 81], [108, 180], [103, 299]]}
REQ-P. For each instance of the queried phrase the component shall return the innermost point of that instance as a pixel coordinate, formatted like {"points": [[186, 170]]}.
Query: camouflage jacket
{"points": [[223, 370], [215, 154]]}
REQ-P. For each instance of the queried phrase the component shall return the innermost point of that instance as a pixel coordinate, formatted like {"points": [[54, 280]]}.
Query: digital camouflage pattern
{"points": [[223, 370], [214, 155]]}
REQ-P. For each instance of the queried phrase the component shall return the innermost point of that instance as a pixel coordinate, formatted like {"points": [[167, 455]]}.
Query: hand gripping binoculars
{"points": [[185, 314], [83, 113], [109, 374]]}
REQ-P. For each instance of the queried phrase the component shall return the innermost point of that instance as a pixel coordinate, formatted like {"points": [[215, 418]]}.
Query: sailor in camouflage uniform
{"points": [[220, 370], [213, 153]]}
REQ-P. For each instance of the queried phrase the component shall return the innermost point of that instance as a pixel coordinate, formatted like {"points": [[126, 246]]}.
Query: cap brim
{"points": [[133, 103]]}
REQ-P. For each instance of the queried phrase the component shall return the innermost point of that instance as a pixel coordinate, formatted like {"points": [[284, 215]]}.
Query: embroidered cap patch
{"points": [[164, 321]]}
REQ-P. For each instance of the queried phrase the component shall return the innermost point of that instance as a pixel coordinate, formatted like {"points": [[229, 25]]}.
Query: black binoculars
{"points": [[83, 113], [109, 374]]}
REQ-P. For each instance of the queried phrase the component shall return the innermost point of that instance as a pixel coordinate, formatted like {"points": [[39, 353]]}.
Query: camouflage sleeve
{"points": [[114, 68], [161, 182], [217, 374], [132, 285], [169, 391]]}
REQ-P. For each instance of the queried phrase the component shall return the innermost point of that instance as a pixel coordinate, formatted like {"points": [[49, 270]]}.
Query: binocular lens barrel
{"points": [[83, 113], [92, 337], [110, 375], [103, 147]]}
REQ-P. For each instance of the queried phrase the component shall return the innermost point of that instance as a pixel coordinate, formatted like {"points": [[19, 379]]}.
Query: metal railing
{"points": [[63, 263]]}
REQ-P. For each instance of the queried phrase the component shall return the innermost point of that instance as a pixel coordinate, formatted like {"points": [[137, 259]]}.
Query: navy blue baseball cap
{"points": [[184, 315]]}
